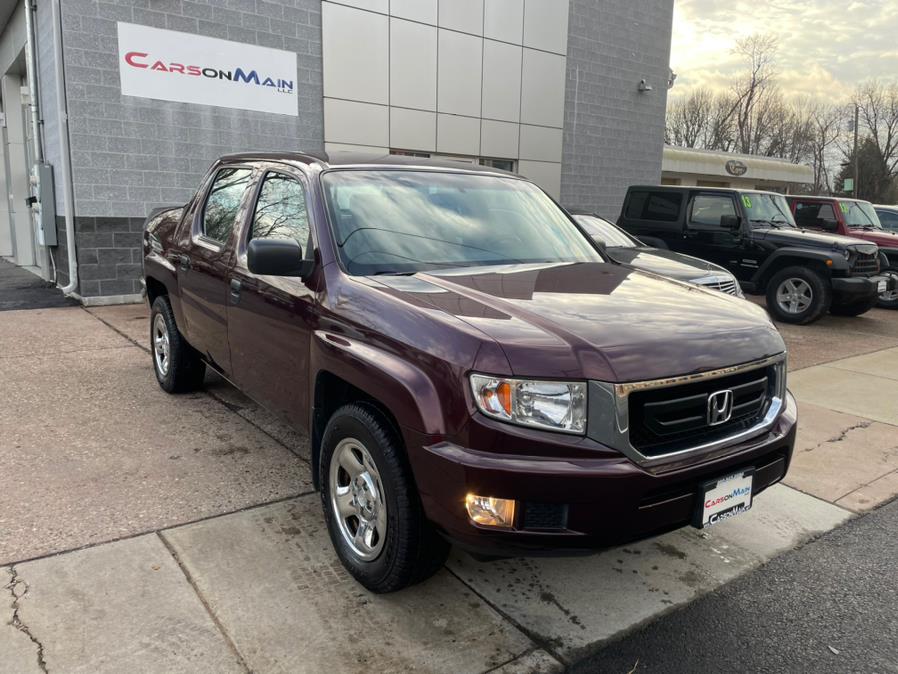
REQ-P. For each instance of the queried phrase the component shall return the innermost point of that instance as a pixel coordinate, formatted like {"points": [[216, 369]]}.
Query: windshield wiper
{"points": [[772, 223]]}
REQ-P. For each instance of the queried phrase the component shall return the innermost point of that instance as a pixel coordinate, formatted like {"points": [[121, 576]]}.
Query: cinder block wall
{"points": [[613, 134], [130, 155]]}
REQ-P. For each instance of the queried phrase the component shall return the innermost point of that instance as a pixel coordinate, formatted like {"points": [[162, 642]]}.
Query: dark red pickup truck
{"points": [[858, 219], [469, 366]]}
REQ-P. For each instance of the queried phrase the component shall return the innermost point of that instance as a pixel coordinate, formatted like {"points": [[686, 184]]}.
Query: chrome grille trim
{"points": [[609, 411], [725, 284]]}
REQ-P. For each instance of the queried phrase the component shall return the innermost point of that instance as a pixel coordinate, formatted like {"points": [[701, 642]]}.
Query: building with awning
{"points": [[708, 168]]}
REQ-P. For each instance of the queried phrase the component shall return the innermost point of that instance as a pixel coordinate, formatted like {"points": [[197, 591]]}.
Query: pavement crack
{"points": [[18, 588], [841, 436]]}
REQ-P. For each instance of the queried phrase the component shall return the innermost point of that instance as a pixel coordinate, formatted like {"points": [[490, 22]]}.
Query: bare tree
{"points": [[878, 106], [752, 92]]}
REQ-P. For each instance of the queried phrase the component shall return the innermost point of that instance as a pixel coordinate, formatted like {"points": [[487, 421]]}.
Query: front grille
{"points": [[670, 419], [864, 264], [722, 284]]}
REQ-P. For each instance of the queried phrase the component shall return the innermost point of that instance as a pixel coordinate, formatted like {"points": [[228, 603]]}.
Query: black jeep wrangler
{"points": [[803, 274]]}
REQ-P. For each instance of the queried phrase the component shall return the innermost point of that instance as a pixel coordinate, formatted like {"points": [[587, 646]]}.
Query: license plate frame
{"points": [[882, 286], [725, 497]]}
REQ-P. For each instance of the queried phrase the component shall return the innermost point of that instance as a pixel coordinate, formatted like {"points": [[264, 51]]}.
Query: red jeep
{"points": [[855, 218]]}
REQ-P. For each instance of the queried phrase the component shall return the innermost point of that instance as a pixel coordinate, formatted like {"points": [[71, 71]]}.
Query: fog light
{"points": [[488, 511]]}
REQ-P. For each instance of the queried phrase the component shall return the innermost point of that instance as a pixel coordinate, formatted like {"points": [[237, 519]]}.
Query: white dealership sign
{"points": [[173, 66]]}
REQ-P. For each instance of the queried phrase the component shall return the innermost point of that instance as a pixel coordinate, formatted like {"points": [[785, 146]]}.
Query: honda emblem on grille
{"points": [[720, 407]]}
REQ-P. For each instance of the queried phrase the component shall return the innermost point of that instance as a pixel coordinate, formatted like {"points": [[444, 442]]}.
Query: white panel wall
{"points": [[501, 81], [424, 11], [355, 48], [413, 65], [504, 20], [478, 78]]}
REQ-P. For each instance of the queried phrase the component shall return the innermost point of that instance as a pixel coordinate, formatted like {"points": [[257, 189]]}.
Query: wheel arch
{"points": [[792, 258], [347, 371]]}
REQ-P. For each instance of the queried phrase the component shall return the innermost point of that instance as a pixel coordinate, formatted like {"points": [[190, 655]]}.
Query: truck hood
{"points": [[882, 238], [804, 237], [597, 321], [665, 262]]}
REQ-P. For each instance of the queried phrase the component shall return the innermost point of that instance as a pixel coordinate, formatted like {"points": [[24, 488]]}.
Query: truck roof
{"points": [[683, 188], [819, 197], [326, 160]]}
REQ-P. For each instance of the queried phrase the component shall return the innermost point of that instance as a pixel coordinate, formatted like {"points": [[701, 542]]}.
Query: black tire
{"points": [[411, 550], [854, 308], [182, 370], [817, 289], [889, 300]]}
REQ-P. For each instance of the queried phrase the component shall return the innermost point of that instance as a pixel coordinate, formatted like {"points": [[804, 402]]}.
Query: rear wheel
{"points": [[854, 308], [798, 295], [371, 505], [177, 365], [889, 299]]}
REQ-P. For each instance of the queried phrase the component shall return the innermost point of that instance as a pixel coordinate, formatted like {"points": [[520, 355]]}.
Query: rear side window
{"points": [[223, 202], [709, 209], [281, 211], [813, 216], [662, 206]]}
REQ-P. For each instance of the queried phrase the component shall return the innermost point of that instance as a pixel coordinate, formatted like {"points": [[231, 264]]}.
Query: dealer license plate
{"points": [[724, 498], [882, 286]]}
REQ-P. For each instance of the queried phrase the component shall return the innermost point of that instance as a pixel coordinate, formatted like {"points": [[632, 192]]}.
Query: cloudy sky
{"points": [[825, 46]]}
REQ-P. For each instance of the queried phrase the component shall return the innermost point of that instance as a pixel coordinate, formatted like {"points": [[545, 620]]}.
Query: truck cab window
{"points": [[707, 210], [663, 206], [223, 202], [815, 216], [281, 211]]}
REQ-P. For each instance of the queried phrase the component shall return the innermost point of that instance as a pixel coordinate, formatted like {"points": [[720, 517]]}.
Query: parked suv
{"points": [[628, 250], [803, 274], [888, 217], [856, 218], [469, 366]]}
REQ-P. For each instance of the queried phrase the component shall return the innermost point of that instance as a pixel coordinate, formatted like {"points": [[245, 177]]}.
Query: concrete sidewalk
{"points": [[181, 533]]}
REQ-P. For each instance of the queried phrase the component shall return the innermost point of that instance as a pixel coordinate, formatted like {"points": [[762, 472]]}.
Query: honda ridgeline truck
{"points": [[469, 366]]}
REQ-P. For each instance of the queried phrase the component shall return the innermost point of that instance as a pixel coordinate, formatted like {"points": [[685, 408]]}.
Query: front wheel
{"points": [[372, 508], [854, 308], [889, 299], [798, 295]]}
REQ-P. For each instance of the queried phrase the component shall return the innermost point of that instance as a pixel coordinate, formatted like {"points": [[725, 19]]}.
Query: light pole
{"points": [[856, 158]]}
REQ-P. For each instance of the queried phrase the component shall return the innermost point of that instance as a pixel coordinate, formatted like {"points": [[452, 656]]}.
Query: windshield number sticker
{"points": [[844, 207], [746, 200]]}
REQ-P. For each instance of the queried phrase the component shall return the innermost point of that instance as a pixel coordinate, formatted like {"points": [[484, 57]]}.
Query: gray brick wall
{"points": [[613, 134], [131, 154]]}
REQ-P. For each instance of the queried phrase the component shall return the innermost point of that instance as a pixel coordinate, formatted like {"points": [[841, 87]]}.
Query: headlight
{"points": [[552, 405]]}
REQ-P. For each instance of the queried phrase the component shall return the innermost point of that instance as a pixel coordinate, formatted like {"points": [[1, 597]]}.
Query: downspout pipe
{"points": [[65, 151], [31, 70]]}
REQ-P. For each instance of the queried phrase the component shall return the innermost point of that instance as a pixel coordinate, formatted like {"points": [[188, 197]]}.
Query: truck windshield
{"points": [[860, 214], [401, 222], [767, 209]]}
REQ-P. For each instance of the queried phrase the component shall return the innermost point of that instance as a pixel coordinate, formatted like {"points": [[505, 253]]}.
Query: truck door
{"points": [[710, 231], [203, 266], [271, 318]]}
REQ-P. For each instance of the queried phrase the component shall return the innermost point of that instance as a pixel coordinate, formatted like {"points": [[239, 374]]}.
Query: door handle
{"points": [[236, 285], [184, 261]]}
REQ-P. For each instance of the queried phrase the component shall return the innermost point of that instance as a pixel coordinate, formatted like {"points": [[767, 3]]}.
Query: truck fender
{"points": [[777, 257], [403, 388], [888, 257]]}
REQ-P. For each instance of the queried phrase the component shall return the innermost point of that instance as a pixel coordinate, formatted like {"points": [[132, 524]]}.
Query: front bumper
{"points": [[859, 287], [605, 498]]}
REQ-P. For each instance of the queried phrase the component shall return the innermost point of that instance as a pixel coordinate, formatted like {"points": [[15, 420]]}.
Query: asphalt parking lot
{"points": [[140, 531]]}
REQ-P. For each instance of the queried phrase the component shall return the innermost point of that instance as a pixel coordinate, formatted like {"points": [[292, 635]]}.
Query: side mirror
{"points": [[277, 257], [829, 225], [731, 222]]}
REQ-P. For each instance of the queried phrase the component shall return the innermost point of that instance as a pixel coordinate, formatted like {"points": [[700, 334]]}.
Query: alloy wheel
{"points": [[357, 499], [161, 345], [794, 295]]}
